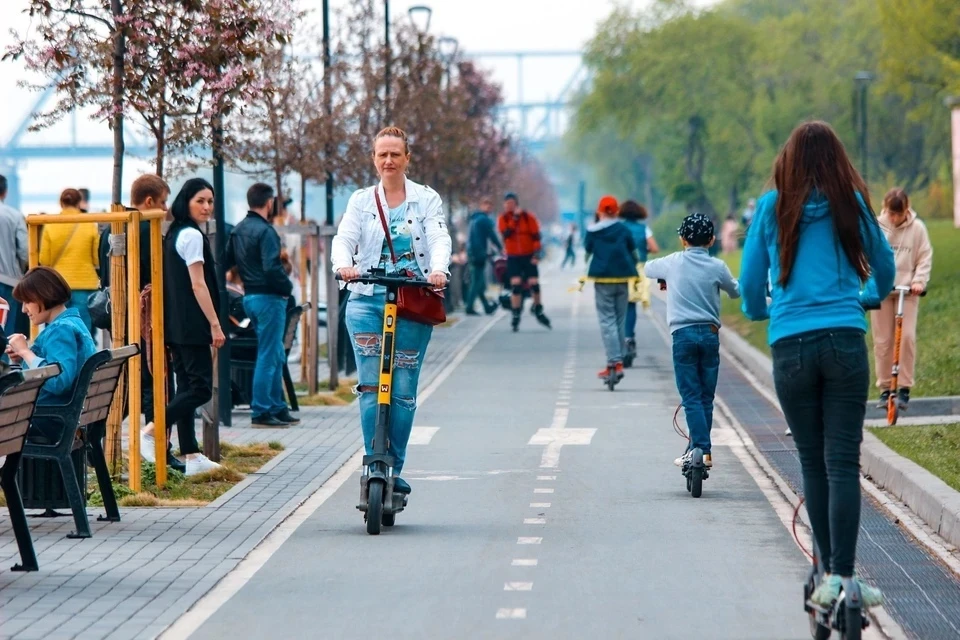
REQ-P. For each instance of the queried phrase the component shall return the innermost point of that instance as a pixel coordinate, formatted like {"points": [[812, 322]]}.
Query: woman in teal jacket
{"points": [[816, 240], [65, 340]]}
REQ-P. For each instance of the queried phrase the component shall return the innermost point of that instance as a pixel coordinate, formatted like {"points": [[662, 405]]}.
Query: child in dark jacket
{"points": [[612, 257]]}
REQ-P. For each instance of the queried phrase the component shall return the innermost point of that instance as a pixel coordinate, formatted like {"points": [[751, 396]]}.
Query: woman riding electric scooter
{"points": [[420, 246], [817, 241]]}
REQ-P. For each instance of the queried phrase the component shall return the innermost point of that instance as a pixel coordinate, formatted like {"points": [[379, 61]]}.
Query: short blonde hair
{"points": [[393, 132]]}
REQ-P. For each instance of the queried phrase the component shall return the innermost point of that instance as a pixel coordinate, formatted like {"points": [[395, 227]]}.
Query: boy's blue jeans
{"points": [[269, 316], [365, 325], [696, 365]]}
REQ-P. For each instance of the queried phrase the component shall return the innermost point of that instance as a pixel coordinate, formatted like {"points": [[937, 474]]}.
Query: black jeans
{"points": [[822, 380], [193, 365]]}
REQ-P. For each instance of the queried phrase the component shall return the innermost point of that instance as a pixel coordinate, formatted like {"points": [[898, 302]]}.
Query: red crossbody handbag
{"points": [[418, 304]]}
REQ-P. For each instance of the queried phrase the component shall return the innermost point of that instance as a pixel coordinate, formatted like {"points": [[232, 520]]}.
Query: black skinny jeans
{"points": [[822, 380], [193, 365]]}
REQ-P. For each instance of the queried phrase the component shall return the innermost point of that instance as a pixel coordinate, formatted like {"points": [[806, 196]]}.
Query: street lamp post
{"points": [[862, 81], [447, 47], [953, 103], [386, 69]]}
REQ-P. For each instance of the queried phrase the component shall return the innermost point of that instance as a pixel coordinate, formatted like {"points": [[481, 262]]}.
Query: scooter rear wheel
{"points": [[696, 474], [374, 506]]}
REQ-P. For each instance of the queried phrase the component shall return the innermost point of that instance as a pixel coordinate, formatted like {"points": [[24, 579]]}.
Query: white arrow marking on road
{"points": [[422, 435], [511, 614], [555, 438], [518, 586]]}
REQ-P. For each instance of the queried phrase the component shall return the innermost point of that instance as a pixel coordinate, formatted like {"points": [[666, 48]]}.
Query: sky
{"points": [[488, 26]]}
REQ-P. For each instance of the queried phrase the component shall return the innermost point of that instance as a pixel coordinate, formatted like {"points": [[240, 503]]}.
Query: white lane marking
{"points": [[560, 415], [539, 505], [518, 586], [534, 521], [543, 490], [511, 614], [231, 583], [554, 439], [529, 540], [561, 403], [546, 477], [422, 435], [524, 562]]}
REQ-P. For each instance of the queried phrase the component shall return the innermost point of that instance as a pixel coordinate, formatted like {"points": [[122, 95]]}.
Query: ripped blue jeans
{"points": [[365, 325]]}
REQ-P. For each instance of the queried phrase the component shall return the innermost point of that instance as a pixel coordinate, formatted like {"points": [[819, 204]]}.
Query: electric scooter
{"points": [[378, 500], [847, 615]]}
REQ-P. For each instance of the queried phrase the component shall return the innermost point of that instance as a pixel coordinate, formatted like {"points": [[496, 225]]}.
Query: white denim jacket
{"points": [[359, 239]]}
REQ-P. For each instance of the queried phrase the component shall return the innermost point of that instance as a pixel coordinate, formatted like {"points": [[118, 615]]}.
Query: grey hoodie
{"points": [[694, 280]]}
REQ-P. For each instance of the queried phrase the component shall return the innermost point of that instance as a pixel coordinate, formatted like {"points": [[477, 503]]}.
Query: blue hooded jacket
{"points": [[67, 342], [824, 288], [614, 255], [481, 235]]}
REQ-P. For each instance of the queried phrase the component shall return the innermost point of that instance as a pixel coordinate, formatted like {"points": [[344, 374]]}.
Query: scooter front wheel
{"points": [[374, 506], [853, 624], [893, 410]]}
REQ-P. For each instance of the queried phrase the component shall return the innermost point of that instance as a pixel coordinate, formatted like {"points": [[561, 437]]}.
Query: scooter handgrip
{"points": [[663, 284]]}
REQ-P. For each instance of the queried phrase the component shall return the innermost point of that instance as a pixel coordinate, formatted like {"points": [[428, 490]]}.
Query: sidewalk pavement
{"points": [[135, 577]]}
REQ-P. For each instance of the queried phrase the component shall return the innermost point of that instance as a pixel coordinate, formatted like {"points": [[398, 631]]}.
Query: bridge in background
{"points": [[537, 124]]}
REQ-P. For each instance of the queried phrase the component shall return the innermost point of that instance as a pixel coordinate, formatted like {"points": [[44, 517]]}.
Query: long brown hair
{"points": [[814, 160]]}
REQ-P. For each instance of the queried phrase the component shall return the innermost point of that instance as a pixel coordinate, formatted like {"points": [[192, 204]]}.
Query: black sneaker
{"points": [[515, 321], [903, 397], [490, 310], [175, 463], [471, 312], [285, 416], [884, 400], [267, 421], [400, 485]]}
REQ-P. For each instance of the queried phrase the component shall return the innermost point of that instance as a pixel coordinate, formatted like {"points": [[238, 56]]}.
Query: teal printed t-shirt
{"points": [[401, 232]]}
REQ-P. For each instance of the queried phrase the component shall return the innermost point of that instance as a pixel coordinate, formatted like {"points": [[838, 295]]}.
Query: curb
{"points": [[932, 499]]}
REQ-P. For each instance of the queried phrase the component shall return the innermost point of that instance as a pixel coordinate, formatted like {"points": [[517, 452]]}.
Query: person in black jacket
{"points": [[254, 248]]}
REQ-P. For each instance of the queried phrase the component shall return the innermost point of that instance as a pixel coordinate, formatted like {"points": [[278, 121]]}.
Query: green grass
{"points": [[938, 332], [198, 490], [935, 448]]}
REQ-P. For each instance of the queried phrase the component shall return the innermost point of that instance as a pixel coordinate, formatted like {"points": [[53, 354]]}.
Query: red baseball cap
{"points": [[608, 204]]}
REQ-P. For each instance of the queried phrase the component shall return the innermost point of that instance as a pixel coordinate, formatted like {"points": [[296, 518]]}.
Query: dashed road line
{"points": [[518, 586], [511, 614], [529, 540], [524, 562]]}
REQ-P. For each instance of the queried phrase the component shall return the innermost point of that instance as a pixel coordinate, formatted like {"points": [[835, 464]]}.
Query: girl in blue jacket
{"points": [[816, 240]]}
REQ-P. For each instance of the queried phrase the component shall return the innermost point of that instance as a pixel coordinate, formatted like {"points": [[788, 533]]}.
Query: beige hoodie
{"points": [[911, 249]]}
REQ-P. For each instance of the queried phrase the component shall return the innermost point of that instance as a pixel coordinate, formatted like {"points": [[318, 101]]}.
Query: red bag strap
{"points": [[383, 222]]}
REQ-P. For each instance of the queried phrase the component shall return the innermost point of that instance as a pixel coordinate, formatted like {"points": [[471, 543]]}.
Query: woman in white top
{"points": [[421, 242], [191, 324]]}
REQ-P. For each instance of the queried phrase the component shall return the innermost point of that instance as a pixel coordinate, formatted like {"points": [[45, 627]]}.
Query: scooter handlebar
{"points": [[387, 280]]}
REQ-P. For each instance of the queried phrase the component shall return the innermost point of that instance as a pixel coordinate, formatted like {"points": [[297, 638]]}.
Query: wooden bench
{"points": [[18, 398], [83, 421], [243, 359]]}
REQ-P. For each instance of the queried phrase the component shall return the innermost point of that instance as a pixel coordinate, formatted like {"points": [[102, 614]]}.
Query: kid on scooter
{"points": [[612, 258], [694, 280]]}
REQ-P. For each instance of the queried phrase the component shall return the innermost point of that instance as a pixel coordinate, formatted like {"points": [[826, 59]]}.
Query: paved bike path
{"points": [[494, 544]]}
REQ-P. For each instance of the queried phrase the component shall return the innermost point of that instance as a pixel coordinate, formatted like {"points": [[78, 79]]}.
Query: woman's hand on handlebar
{"points": [[348, 273], [437, 279], [917, 289]]}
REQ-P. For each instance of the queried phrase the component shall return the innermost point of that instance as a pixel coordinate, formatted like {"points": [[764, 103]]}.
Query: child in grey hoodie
{"points": [[694, 280]]}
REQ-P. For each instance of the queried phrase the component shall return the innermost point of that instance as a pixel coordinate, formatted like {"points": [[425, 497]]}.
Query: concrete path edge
{"points": [[932, 499]]}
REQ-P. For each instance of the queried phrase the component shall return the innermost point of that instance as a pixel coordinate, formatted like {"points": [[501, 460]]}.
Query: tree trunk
{"points": [[119, 51], [303, 198], [734, 198], [161, 144]]}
